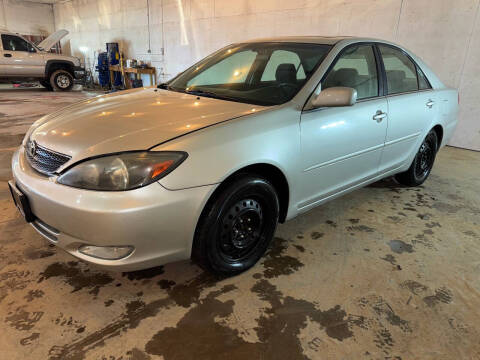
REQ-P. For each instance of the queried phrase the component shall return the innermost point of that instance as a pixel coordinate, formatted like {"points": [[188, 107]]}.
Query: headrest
{"points": [[286, 73], [396, 75], [346, 77]]}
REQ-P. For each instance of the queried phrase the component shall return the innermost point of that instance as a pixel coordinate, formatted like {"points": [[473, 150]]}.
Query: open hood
{"points": [[52, 39]]}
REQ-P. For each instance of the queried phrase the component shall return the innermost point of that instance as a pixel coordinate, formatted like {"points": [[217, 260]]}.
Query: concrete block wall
{"points": [[445, 33], [26, 18]]}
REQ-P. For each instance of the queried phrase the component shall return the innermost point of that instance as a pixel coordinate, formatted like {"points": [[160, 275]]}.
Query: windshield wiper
{"points": [[211, 94]]}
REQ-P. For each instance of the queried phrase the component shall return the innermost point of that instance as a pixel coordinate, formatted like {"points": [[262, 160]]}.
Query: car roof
{"points": [[326, 40], [6, 32]]}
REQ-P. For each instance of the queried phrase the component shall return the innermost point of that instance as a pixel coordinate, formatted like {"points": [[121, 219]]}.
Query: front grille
{"points": [[44, 160]]}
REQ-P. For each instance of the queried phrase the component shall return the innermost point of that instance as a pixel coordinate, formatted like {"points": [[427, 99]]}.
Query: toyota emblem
{"points": [[32, 148]]}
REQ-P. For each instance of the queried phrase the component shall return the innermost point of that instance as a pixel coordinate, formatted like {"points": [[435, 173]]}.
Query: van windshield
{"points": [[256, 73]]}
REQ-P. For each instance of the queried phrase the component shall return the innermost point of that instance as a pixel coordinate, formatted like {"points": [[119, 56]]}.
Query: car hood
{"points": [[131, 120], [51, 40]]}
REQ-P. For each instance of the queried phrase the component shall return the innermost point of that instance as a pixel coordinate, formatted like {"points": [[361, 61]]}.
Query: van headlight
{"points": [[124, 171]]}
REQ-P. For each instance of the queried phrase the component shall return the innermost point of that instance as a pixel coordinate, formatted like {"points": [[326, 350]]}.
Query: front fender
{"points": [[270, 137], [49, 63]]}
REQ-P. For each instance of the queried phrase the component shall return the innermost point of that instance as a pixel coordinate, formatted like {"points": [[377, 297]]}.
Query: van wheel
{"points": [[236, 226], [46, 85], [61, 80], [422, 163]]}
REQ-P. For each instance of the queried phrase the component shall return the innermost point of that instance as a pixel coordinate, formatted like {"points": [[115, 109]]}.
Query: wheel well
{"points": [[275, 176], [59, 66], [271, 173], [439, 131]]}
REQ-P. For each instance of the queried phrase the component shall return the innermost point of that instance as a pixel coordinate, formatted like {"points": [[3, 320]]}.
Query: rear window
{"points": [[400, 70]]}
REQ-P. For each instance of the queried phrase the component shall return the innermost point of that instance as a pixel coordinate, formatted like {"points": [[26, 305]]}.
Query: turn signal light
{"points": [[160, 168]]}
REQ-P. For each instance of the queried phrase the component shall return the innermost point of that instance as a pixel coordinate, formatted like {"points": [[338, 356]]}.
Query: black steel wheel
{"points": [[241, 229], [422, 163], [236, 225]]}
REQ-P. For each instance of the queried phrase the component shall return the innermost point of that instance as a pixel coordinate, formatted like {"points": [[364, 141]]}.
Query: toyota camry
{"points": [[205, 165]]}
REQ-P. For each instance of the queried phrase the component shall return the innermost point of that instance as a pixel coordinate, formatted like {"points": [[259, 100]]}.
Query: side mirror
{"points": [[335, 96]]}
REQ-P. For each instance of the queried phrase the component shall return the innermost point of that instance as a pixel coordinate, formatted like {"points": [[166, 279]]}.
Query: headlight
{"points": [[124, 171]]}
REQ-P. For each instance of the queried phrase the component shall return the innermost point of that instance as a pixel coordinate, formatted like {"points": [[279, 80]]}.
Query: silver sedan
{"points": [[207, 164]]}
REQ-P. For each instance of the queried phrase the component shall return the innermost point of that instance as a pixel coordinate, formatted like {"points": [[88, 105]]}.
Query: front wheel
{"points": [[422, 163], [236, 226], [61, 80]]}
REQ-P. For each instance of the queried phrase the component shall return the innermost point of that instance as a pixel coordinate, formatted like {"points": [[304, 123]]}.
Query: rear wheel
{"points": [[236, 226], [46, 85], [61, 80], [422, 163]]}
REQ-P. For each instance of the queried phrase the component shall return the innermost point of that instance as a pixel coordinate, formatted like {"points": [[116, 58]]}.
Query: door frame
{"points": [[384, 73], [382, 76], [306, 205], [382, 81]]}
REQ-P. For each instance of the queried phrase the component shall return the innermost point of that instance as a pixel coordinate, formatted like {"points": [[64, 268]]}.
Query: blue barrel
{"points": [[103, 71], [114, 59]]}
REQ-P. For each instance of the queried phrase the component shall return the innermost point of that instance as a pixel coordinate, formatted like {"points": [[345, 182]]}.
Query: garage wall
{"points": [[26, 18], [444, 33]]}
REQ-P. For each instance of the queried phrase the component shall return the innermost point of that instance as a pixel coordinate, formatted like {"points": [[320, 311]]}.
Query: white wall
{"points": [[445, 33], [26, 18]]}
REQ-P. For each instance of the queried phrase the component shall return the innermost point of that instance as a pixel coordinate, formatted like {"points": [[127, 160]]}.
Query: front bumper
{"points": [[79, 72], [159, 223]]}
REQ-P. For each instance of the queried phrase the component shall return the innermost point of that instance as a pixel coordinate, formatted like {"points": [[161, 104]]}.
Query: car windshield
{"points": [[255, 73]]}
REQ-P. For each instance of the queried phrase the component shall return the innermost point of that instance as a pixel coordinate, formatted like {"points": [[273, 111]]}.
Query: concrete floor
{"points": [[384, 272]]}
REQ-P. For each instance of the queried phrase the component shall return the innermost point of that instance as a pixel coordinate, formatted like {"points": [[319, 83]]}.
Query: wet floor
{"points": [[386, 272]]}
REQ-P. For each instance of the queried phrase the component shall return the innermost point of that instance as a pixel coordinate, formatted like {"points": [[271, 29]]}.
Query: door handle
{"points": [[7, 55], [430, 103], [379, 116]]}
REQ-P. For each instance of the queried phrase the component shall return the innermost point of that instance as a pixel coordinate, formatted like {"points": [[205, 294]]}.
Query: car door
{"points": [[411, 106], [20, 58], [4, 61], [341, 146]]}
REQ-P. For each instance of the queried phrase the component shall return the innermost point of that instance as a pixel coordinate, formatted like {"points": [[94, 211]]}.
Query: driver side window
{"points": [[14, 43], [356, 68]]}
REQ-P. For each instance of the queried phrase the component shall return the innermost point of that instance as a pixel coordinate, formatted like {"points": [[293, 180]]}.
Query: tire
{"points": [[46, 85], [422, 163], [225, 241], [61, 80]]}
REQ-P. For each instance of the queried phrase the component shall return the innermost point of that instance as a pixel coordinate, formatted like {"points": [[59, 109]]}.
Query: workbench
{"points": [[137, 71]]}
